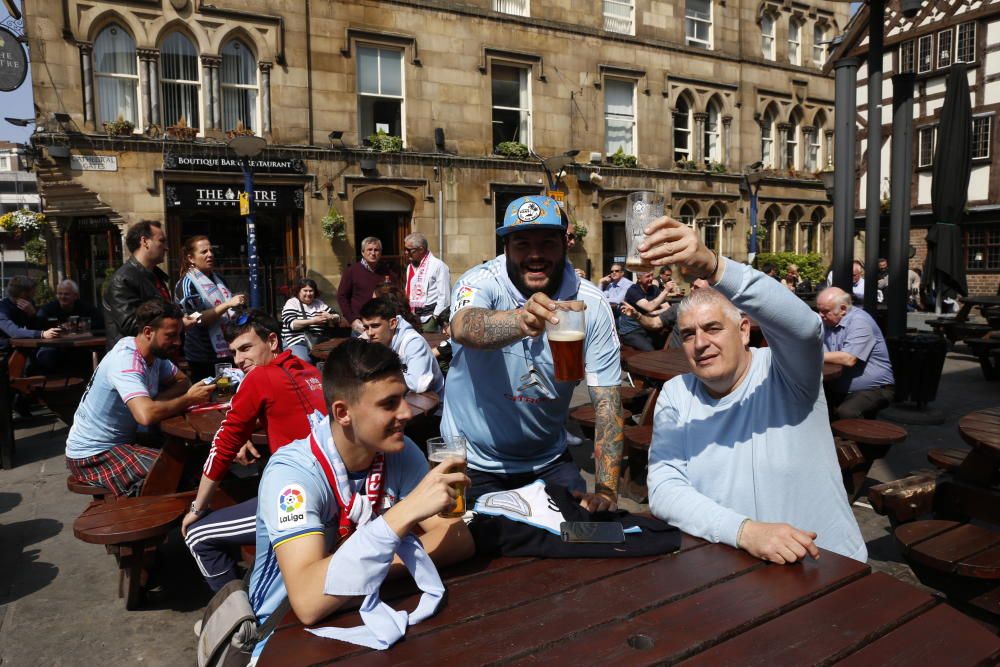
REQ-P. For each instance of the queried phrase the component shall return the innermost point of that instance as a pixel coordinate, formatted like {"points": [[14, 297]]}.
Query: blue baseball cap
{"points": [[528, 213]]}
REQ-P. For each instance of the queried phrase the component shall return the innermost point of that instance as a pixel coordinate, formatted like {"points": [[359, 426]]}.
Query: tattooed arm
{"points": [[609, 445], [492, 329]]}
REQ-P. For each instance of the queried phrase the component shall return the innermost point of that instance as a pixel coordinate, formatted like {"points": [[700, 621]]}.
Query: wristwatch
{"points": [[197, 512]]}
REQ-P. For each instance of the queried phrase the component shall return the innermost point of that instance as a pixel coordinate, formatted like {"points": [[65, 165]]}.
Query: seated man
{"points": [[280, 394], [135, 384], [853, 341], [420, 368], [68, 304], [18, 317], [742, 451], [322, 487], [647, 299]]}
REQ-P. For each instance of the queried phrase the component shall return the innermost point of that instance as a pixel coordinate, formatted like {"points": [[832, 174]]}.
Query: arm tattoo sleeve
{"points": [[609, 443], [489, 329]]}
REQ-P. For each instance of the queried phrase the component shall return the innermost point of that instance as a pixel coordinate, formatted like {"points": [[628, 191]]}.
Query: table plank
{"points": [[941, 637], [520, 630], [945, 551], [825, 629], [691, 624]]}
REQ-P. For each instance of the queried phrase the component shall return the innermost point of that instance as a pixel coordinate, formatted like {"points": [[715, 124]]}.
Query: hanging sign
{"points": [[244, 204], [201, 162], [221, 195], [13, 61]]}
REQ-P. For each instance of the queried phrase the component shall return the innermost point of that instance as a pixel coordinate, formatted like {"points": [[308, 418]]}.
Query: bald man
{"points": [[853, 341]]}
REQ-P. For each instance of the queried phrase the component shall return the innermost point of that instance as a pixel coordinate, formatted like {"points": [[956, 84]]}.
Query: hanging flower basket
{"points": [[333, 225], [22, 222]]}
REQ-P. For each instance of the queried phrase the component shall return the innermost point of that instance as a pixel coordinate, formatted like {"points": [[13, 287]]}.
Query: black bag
{"points": [[312, 338]]}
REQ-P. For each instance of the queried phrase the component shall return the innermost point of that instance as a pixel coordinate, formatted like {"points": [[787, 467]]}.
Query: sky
{"points": [[17, 103]]}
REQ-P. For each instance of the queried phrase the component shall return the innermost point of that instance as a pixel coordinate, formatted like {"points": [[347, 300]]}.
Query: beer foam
{"points": [[565, 336]]}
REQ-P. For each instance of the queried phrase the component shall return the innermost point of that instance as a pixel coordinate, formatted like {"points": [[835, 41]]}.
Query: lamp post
{"points": [[752, 180], [247, 147], [554, 165]]}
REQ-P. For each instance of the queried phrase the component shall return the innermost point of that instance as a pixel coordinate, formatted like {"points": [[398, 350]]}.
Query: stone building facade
{"points": [[693, 90]]}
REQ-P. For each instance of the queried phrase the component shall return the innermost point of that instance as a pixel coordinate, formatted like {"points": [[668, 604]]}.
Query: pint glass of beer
{"points": [[450, 447], [566, 340], [641, 209]]}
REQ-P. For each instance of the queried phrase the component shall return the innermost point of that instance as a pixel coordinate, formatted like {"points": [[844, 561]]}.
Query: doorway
{"points": [[386, 215]]}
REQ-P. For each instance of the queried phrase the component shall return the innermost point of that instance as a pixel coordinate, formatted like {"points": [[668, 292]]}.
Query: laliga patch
{"points": [[291, 507], [529, 212], [465, 295]]}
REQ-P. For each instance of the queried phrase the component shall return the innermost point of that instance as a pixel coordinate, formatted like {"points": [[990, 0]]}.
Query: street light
{"points": [[554, 165], [247, 147], [826, 175]]}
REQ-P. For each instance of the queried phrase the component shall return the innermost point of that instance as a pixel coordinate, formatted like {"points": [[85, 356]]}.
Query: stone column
{"points": [[208, 63], [87, 66], [145, 58], [781, 144], [217, 96], [698, 154], [265, 98], [727, 139], [154, 90]]}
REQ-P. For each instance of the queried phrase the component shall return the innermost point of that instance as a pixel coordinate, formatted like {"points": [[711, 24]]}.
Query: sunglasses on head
{"points": [[242, 319]]}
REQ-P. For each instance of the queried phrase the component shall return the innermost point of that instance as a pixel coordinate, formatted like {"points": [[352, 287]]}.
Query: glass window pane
{"points": [[367, 70], [178, 58], [506, 86], [114, 52], [619, 134], [392, 72], [238, 65], [618, 97], [699, 9]]}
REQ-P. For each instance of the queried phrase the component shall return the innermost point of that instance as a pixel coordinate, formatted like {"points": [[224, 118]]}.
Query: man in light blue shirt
{"points": [[853, 341], [501, 390], [615, 286], [420, 367], [135, 383], [742, 451]]}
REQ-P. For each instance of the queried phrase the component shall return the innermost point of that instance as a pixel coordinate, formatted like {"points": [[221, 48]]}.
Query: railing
{"points": [[618, 16], [515, 7]]}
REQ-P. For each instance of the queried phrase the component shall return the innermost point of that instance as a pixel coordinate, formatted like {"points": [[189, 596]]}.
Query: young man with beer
{"points": [[503, 393], [356, 476]]}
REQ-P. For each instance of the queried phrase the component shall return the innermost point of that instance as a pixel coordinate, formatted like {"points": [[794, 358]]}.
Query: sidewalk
{"points": [[58, 595]]}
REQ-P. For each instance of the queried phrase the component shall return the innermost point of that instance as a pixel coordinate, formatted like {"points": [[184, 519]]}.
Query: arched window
{"points": [[793, 224], [794, 42], [767, 140], [819, 44], [116, 69], [180, 81], [812, 243], [767, 36], [713, 144], [682, 130], [239, 86], [687, 215], [712, 229], [771, 225], [814, 151], [791, 160]]}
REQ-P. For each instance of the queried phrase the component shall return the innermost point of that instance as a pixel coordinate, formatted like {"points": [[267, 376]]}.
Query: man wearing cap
{"points": [[501, 393]]}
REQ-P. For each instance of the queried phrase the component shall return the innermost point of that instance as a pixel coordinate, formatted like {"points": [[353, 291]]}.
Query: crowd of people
{"points": [[741, 453]]}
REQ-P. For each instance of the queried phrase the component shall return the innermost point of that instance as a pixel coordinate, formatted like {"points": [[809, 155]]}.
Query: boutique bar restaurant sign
{"points": [[13, 61], [225, 196], [262, 165]]}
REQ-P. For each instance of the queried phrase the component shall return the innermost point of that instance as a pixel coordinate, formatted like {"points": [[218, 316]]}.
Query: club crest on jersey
{"points": [[291, 506]]}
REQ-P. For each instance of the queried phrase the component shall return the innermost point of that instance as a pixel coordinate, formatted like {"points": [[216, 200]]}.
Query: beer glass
{"points": [[450, 447], [641, 209], [224, 387], [566, 340]]}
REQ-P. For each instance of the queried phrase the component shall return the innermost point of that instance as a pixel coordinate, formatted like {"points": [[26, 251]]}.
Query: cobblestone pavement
{"points": [[58, 601]]}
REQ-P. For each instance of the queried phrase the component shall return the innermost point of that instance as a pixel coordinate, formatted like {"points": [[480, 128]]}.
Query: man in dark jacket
{"points": [[17, 313], [360, 280], [138, 280]]}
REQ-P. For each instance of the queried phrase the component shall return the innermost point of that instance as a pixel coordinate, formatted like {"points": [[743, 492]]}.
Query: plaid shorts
{"points": [[122, 469]]}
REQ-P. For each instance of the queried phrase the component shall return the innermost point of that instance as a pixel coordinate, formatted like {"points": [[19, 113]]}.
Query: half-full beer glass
{"points": [[641, 209], [450, 447], [566, 340]]}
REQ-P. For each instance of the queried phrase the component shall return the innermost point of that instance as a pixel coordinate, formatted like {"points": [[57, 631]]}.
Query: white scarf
{"points": [[416, 282], [213, 293]]}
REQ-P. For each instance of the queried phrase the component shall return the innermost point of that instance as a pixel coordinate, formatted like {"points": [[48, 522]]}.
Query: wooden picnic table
{"points": [[969, 302], [707, 603], [94, 343], [666, 364]]}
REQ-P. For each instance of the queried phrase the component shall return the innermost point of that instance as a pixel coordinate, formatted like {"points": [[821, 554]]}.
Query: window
{"points": [[792, 145], [983, 248], [698, 23], [926, 146], [515, 7], [770, 229], [619, 16], [511, 106], [711, 231], [179, 78], [713, 146], [767, 141], [981, 136], [926, 59], [116, 70], [795, 42], [380, 91], [944, 48], [812, 151], [682, 130], [906, 57], [687, 215], [790, 228], [966, 51], [767, 36], [619, 116], [239, 86], [819, 45], [807, 238]]}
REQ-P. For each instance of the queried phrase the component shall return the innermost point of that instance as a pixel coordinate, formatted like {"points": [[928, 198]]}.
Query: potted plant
{"points": [[333, 226], [181, 130], [22, 222], [580, 230], [512, 149], [686, 165], [240, 130], [385, 143], [119, 127], [715, 167], [622, 159]]}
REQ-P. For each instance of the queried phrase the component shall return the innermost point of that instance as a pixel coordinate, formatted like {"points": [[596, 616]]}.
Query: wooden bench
{"points": [[97, 492], [955, 330], [872, 439], [947, 459], [904, 500], [853, 467], [61, 394], [984, 348]]}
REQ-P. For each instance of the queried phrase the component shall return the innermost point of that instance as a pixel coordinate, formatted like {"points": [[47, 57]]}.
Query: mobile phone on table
{"points": [[592, 532]]}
